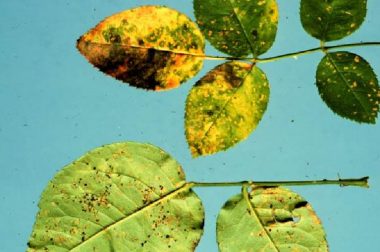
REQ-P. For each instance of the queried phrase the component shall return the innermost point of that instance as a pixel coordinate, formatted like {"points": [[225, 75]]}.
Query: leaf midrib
{"points": [[347, 84], [253, 212], [227, 102], [146, 48], [185, 186], [243, 29]]}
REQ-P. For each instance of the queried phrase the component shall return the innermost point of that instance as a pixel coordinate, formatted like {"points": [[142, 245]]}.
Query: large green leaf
{"points": [[119, 197], [238, 27], [225, 106], [329, 20], [272, 219], [348, 85], [151, 47]]}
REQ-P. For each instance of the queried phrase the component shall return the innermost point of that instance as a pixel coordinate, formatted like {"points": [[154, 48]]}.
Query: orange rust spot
{"points": [[60, 239], [178, 59], [172, 82], [120, 69], [247, 66]]}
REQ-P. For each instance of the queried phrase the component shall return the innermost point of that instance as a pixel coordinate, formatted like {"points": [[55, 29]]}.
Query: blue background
{"points": [[54, 106]]}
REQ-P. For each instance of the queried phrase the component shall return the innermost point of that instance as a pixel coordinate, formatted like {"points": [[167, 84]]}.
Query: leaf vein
{"points": [[185, 186], [225, 105], [243, 29], [347, 84]]}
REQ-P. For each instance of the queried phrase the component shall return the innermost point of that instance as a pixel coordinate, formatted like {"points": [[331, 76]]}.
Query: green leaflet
{"points": [[348, 85], [329, 20], [225, 106], [270, 220], [238, 27], [119, 197], [150, 47]]}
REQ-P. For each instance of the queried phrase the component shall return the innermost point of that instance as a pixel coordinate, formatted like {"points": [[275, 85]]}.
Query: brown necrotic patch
{"points": [[229, 72], [139, 67]]}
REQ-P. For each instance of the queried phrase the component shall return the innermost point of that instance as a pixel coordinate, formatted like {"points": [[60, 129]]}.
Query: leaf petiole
{"points": [[360, 182], [320, 48], [294, 54]]}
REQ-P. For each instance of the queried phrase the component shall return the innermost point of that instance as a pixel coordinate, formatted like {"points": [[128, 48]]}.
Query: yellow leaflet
{"points": [[224, 107], [150, 47]]}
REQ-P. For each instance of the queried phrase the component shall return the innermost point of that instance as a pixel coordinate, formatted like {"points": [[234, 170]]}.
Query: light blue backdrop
{"points": [[54, 107]]}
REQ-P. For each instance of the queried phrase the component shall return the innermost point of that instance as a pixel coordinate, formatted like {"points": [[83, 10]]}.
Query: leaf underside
{"points": [[271, 219], [224, 107], [332, 19], [150, 47], [349, 87], [119, 197], [238, 27]]}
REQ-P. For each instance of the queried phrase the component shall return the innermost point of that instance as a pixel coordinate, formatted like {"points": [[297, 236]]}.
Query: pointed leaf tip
{"points": [[119, 197], [349, 86], [149, 47], [224, 107]]}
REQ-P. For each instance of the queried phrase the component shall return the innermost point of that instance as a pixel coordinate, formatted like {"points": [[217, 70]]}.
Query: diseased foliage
{"points": [[119, 197], [240, 27], [269, 219], [225, 106], [158, 48], [329, 20], [348, 85], [150, 47], [345, 81], [134, 197], [131, 196]]}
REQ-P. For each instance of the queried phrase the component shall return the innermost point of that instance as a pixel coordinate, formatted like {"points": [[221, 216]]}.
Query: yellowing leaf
{"points": [[270, 220], [225, 106], [150, 47], [119, 197]]}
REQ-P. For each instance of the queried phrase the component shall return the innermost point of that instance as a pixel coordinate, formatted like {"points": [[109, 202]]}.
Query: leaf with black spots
{"points": [[150, 47], [349, 87], [238, 27], [269, 219], [119, 197], [329, 20], [225, 106]]}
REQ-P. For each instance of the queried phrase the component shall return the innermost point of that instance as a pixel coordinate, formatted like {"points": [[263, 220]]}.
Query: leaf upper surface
{"points": [[271, 220], [150, 47], [238, 27], [119, 197], [349, 87], [332, 19], [225, 106]]}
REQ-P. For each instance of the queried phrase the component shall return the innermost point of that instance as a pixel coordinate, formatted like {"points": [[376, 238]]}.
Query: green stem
{"points": [[295, 54], [360, 182], [321, 48]]}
